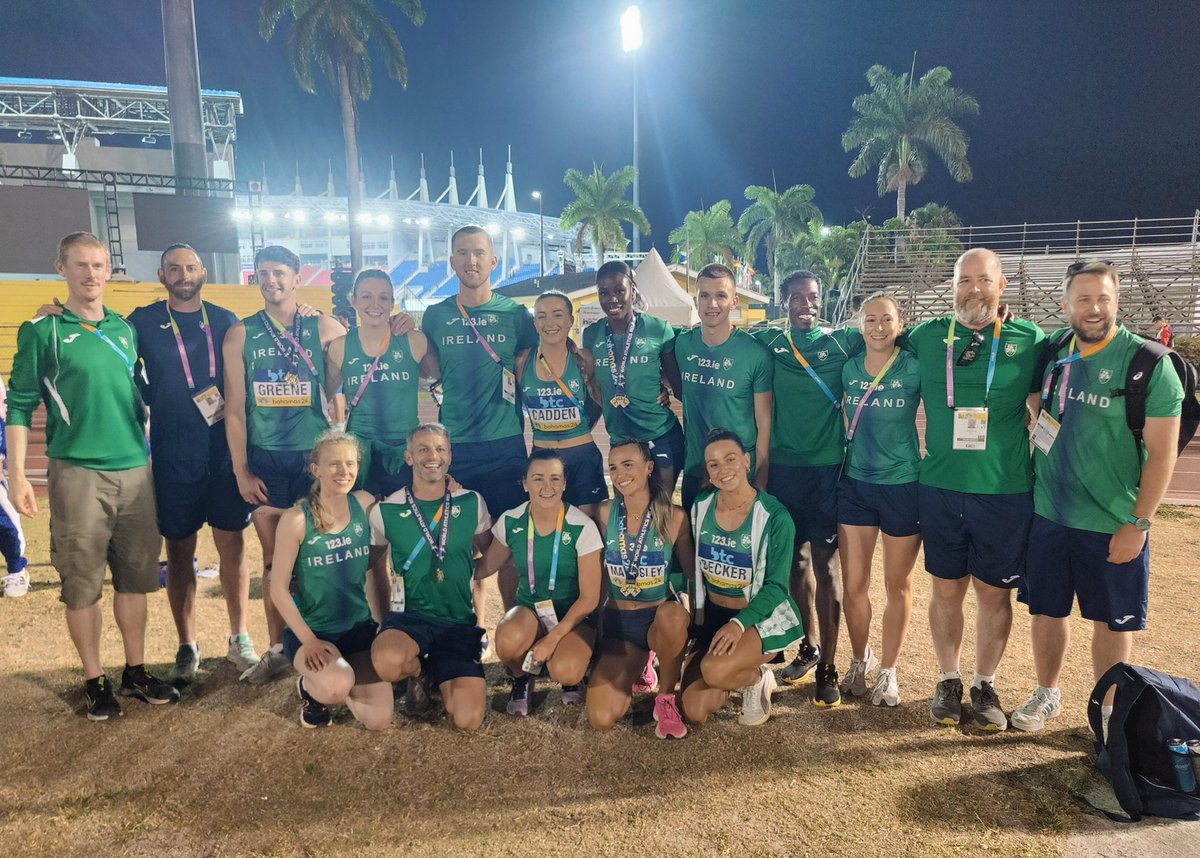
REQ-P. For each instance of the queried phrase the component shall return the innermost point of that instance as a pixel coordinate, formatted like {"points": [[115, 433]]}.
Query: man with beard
{"points": [[1096, 489], [977, 383]]}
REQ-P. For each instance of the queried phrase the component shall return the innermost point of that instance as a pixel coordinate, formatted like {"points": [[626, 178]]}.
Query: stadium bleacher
{"points": [[403, 272], [427, 282]]}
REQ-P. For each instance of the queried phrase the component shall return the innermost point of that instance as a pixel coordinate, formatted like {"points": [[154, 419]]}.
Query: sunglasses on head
{"points": [[1075, 267], [972, 350]]}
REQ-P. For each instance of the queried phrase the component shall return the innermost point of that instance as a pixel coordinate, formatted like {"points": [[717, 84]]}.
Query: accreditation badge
{"points": [[546, 615], [510, 386], [211, 404], [970, 428], [1045, 432], [397, 603]]}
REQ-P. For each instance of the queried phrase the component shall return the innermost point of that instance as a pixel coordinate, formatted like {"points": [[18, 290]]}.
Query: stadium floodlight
{"points": [[383, 219], [425, 222], [241, 215], [299, 215], [266, 216], [331, 217], [518, 233], [824, 231], [631, 29], [493, 229], [364, 218]]}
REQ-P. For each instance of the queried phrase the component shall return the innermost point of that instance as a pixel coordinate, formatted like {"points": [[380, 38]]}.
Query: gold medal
{"points": [[441, 576], [620, 401]]}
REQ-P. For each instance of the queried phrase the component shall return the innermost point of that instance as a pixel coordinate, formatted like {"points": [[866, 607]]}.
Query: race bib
{"points": [[279, 389], [1045, 432], [970, 428], [548, 418], [724, 569], [211, 404]]}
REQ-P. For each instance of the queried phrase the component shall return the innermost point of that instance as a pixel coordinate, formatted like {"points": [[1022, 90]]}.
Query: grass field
{"points": [[231, 772]]}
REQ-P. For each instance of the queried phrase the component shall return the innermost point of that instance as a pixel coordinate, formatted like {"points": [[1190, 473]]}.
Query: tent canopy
{"points": [[662, 294]]}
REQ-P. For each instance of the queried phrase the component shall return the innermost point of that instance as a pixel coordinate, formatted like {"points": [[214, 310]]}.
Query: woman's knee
{"points": [[717, 671], [567, 670], [467, 715]]}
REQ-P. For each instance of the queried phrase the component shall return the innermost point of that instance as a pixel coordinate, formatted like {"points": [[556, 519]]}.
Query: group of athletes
{"points": [[798, 445]]}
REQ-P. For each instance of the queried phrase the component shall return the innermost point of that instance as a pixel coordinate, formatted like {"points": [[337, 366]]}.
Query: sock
{"points": [[953, 674], [1054, 692], [277, 648], [238, 637], [1106, 712], [979, 679], [191, 645]]}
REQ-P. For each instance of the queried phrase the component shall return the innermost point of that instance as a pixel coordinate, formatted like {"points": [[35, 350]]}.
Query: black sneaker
{"points": [[101, 703], [802, 664], [985, 705], [136, 682], [946, 708], [312, 713], [827, 694], [522, 691]]}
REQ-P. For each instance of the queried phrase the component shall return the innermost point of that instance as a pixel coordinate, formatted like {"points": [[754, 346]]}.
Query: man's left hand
{"points": [[1126, 544]]}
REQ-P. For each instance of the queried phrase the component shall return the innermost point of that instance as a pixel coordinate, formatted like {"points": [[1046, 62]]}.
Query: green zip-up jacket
{"points": [[94, 416]]}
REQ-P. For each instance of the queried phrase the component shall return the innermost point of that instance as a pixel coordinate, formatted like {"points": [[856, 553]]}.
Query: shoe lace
{"points": [[666, 708], [988, 698], [1039, 703], [946, 692]]}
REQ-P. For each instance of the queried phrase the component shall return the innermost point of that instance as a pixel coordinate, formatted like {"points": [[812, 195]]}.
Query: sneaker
{"points": [[756, 700], [648, 681], [272, 665], [886, 691], [417, 701], [802, 664], [1041, 706], [668, 724], [101, 704], [187, 661], [312, 714], [855, 683], [946, 708], [241, 653], [827, 694], [16, 584], [485, 644], [518, 700], [136, 682], [572, 695], [986, 706]]}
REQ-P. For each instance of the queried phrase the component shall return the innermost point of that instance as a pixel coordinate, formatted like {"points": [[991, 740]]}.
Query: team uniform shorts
{"points": [[495, 469], [668, 450], [382, 469], [584, 470], [1064, 564], [285, 473], [810, 495], [357, 638], [448, 650], [972, 534], [893, 508], [632, 626], [561, 608], [191, 496]]}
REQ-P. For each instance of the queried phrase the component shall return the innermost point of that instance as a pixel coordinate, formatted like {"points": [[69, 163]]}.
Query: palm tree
{"points": [[707, 235], [776, 218], [900, 126], [335, 36], [599, 208]]}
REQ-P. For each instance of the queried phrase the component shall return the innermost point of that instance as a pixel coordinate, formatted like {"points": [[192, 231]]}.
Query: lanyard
{"points": [[991, 370], [631, 559], [471, 322], [562, 385], [1063, 367], [362, 388], [212, 352], [619, 370], [442, 516], [562, 513], [812, 373], [870, 390], [116, 348], [275, 329]]}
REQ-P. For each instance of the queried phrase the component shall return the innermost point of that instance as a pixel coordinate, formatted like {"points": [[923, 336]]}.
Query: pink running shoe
{"points": [[649, 678], [666, 713]]}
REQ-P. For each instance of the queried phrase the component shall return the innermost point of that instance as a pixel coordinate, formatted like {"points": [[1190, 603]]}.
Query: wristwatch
{"points": [[1142, 524]]}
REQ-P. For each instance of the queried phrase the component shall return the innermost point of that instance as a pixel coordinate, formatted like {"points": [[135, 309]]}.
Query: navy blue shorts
{"points": [[383, 469], [980, 535], [1064, 564], [585, 475], [495, 469], [810, 495], [448, 650], [668, 450], [631, 626], [702, 634], [891, 508], [285, 473], [187, 501], [357, 638]]}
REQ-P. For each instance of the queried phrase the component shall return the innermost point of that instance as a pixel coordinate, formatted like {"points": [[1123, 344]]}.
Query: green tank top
{"points": [[725, 557], [330, 574], [654, 565], [553, 415], [387, 407], [284, 391]]}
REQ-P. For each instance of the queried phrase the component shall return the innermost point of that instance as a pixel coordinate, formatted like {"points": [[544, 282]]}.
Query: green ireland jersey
{"points": [[579, 538], [806, 426], [644, 418], [718, 389], [284, 393], [1003, 467], [83, 372], [1089, 479], [553, 414], [329, 578], [474, 407], [752, 562], [656, 569], [884, 449], [435, 594]]}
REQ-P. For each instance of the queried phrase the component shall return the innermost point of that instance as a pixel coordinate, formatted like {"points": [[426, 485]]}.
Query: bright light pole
{"points": [[537, 195], [631, 42]]}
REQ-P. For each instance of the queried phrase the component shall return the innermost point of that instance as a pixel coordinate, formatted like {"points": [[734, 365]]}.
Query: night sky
{"points": [[1088, 109]]}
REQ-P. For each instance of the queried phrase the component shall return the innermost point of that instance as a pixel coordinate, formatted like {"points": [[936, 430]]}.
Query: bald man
{"points": [[976, 500]]}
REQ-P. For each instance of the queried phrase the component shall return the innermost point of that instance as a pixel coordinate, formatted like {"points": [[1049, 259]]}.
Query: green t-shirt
{"points": [[94, 414], [553, 415], [448, 599], [329, 577], [656, 566], [387, 408], [645, 418], [719, 385], [579, 537], [1004, 466], [284, 408], [1089, 480], [806, 428], [473, 406], [884, 449]]}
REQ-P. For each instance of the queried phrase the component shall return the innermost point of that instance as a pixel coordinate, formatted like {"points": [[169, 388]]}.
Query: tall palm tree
{"points": [[336, 37], [776, 218], [899, 127], [599, 208], [707, 235]]}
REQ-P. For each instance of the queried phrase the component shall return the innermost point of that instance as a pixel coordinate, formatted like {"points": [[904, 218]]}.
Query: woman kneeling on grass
{"points": [[644, 535], [744, 545], [557, 553], [322, 554]]}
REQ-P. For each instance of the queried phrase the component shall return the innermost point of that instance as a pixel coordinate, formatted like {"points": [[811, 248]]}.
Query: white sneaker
{"points": [[1041, 706], [16, 584], [756, 699], [271, 666], [241, 653], [886, 691], [855, 683]]}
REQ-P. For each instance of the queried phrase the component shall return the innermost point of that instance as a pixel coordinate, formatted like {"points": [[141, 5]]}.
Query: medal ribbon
{"points": [[562, 514], [275, 329], [212, 351], [619, 370], [442, 516], [487, 347], [631, 559], [991, 371], [812, 373], [874, 386]]}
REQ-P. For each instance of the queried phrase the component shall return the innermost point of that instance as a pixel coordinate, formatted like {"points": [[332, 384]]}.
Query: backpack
{"points": [[1137, 386], [1149, 708]]}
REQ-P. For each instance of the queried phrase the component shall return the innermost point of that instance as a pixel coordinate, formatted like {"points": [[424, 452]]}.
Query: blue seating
{"points": [[522, 273], [427, 281], [403, 271]]}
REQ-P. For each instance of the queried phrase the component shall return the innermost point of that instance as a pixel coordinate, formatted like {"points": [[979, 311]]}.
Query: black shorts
{"points": [[702, 634], [669, 451], [630, 626], [980, 535], [495, 469], [188, 498], [285, 473], [448, 650], [358, 638], [383, 469], [585, 475], [810, 496], [890, 507]]}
